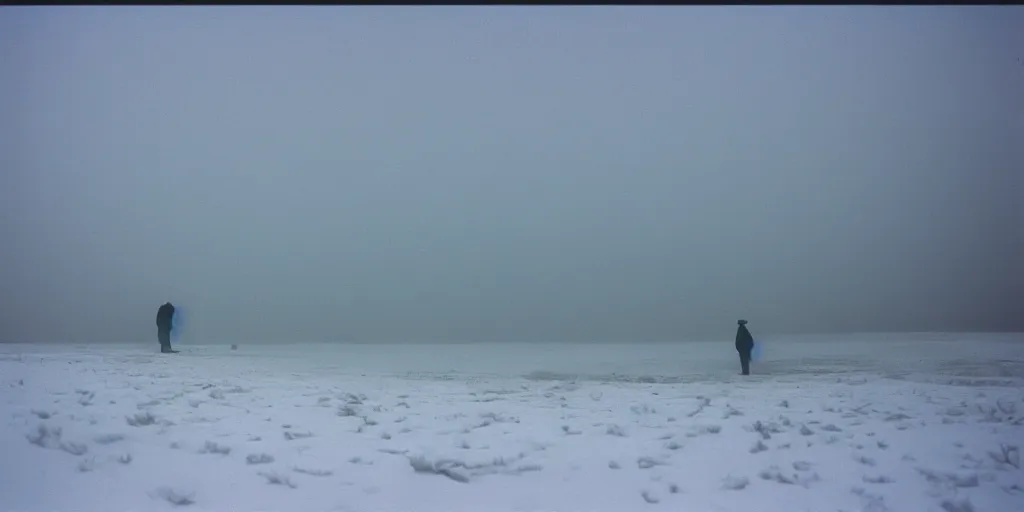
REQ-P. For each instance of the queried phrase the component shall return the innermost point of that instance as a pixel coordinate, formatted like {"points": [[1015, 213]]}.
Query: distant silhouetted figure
{"points": [[164, 318], [744, 345]]}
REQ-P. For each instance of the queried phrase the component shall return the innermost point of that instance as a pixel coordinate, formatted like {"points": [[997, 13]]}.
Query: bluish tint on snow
{"points": [[507, 427], [177, 323]]}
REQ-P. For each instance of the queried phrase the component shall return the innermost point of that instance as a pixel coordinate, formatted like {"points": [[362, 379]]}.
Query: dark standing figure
{"points": [[164, 317], [744, 345]]}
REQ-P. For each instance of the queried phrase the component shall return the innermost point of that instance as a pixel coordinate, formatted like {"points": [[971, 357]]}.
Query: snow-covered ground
{"points": [[842, 423]]}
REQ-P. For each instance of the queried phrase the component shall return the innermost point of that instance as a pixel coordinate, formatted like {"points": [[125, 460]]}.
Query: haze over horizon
{"points": [[509, 173]]}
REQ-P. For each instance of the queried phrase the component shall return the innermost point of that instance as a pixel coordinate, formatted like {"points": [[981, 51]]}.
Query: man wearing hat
{"points": [[744, 345]]}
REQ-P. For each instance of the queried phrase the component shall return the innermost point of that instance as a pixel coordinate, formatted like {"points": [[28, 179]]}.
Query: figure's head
{"points": [[741, 322]]}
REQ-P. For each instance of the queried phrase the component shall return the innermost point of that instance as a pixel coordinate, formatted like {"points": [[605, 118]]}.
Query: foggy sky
{"points": [[509, 173]]}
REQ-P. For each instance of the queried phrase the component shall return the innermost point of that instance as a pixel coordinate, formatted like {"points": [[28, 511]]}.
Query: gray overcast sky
{"points": [[509, 173]]}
